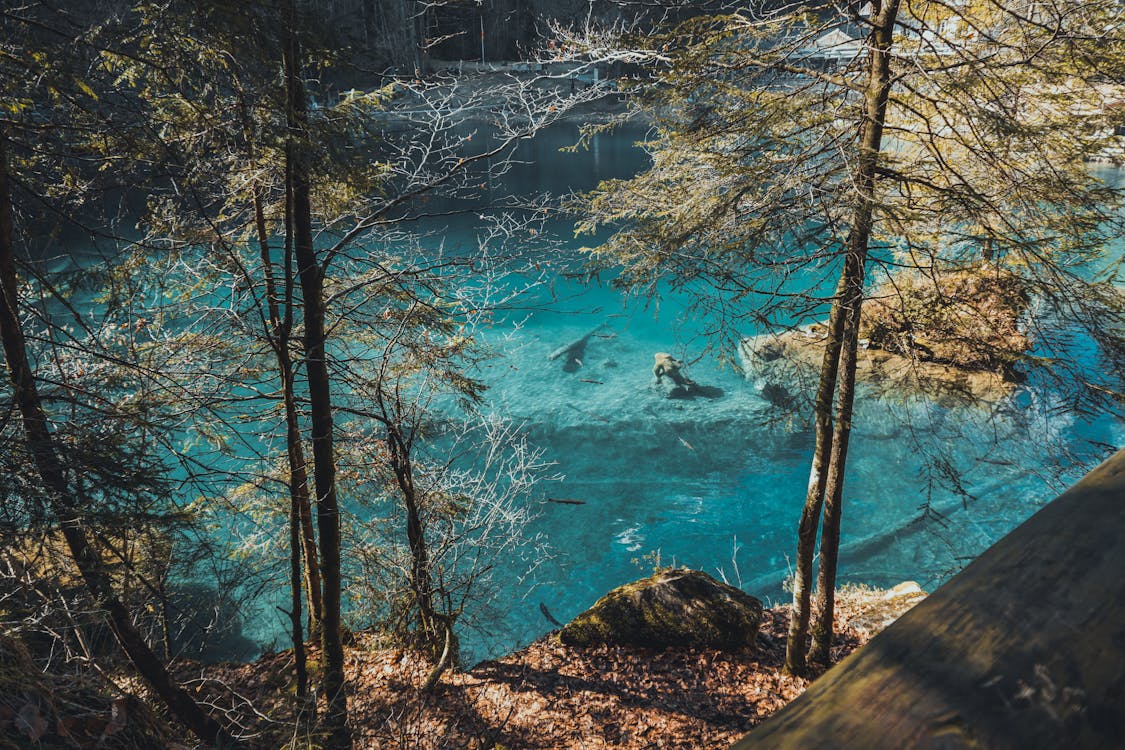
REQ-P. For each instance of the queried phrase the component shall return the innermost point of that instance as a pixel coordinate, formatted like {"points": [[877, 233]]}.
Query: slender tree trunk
{"points": [[278, 335], [337, 733], [298, 479], [436, 631], [845, 396], [871, 139], [419, 17], [814, 500], [367, 13], [66, 506], [298, 466]]}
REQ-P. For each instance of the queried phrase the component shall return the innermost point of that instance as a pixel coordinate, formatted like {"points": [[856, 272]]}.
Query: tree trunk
{"points": [[278, 336], [66, 506], [420, 18], [833, 491], [1022, 650], [367, 13], [297, 464], [434, 629], [337, 733], [871, 138], [814, 500]]}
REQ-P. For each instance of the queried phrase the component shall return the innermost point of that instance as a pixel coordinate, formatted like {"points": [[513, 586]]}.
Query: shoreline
{"points": [[547, 695]]}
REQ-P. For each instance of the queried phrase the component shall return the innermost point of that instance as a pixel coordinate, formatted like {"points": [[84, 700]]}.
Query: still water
{"points": [[717, 484]]}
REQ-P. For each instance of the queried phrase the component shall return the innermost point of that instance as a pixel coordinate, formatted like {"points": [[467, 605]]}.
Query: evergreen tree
{"points": [[927, 138]]}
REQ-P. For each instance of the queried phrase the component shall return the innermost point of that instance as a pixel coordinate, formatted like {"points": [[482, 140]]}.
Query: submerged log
{"points": [[574, 351], [565, 501], [1023, 649], [574, 348]]}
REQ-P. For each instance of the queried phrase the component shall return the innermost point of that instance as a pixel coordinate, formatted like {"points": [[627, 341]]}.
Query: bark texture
{"points": [[335, 722], [66, 506], [838, 370], [871, 140], [1022, 650], [797, 641], [277, 332]]}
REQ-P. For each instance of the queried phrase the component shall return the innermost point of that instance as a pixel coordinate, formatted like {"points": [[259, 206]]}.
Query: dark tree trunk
{"points": [[298, 480], [297, 464], [435, 630], [278, 335], [871, 139], [66, 506], [814, 500], [335, 723], [367, 12], [298, 471]]}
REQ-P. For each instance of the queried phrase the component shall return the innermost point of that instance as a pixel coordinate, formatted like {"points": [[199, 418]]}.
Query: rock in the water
{"points": [[793, 359], [670, 377], [675, 607], [969, 318], [671, 381]]}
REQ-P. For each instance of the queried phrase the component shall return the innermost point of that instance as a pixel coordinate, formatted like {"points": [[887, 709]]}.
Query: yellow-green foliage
{"points": [[992, 116]]}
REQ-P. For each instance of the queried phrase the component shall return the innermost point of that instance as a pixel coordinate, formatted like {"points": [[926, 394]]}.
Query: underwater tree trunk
{"points": [[871, 138], [337, 735], [66, 506]]}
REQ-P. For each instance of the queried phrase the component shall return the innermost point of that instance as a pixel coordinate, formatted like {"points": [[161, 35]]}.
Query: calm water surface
{"points": [[717, 484]]}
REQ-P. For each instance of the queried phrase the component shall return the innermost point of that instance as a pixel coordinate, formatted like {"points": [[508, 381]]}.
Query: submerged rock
{"points": [[675, 607], [670, 378], [778, 396], [671, 381]]}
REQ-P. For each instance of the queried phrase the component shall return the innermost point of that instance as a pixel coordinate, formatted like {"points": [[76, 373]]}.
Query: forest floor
{"points": [[548, 695]]}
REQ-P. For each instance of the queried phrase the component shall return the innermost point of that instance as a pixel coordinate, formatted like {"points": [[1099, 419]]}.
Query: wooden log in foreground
{"points": [[1023, 649]]}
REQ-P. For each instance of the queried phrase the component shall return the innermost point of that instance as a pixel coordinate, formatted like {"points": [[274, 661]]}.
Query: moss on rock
{"points": [[674, 607]]}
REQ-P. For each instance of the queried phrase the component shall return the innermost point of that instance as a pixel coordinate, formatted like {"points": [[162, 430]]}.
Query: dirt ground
{"points": [[548, 695]]}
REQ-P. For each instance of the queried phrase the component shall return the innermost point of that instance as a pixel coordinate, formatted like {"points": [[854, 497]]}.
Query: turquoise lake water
{"points": [[717, 484]]}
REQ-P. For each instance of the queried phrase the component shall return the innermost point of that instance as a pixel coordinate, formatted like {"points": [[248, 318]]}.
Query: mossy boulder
{"points": [[675, 607]]}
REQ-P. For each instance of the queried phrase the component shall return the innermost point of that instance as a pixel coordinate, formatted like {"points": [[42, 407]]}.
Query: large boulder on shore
{"points": [[674, 607]]}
